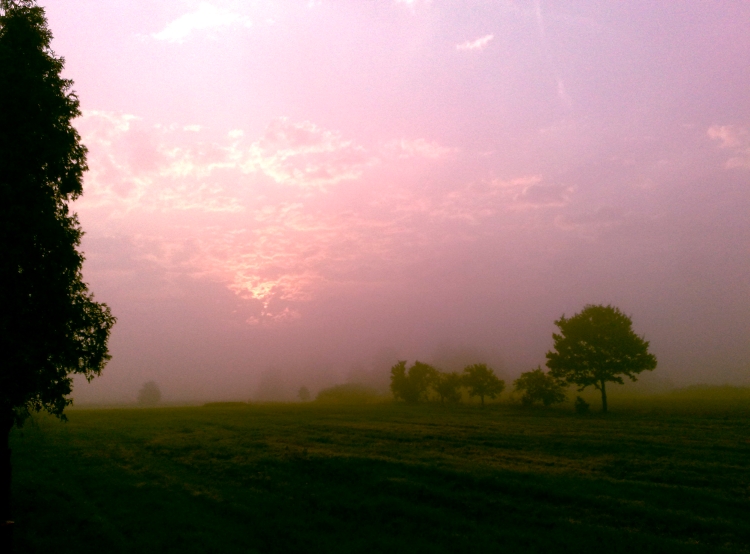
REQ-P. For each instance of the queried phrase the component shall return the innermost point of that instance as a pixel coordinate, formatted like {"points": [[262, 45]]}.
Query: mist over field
{"points": [[304, 192]]}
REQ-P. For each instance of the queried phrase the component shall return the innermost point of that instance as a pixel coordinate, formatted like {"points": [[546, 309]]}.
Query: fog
{"points": [[302, 193]]}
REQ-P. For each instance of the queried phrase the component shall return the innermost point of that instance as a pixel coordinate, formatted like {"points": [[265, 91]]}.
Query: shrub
{"points": [[582, 407], [539, 387], [349, 393]]}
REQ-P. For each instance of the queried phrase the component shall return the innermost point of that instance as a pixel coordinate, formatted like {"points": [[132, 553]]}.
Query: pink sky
{"points": [[314, 189]]}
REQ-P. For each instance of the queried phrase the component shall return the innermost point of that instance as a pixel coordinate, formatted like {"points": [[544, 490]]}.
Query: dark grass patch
{"points": [[382, 478]]}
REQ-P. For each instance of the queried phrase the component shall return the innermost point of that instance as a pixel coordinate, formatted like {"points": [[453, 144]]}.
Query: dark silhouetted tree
{"points": [[448, 387], [597, 346], [482, 381], [50, 325], [398, 379], [539, 387], [303, 394], [414, 385], [149, 395]]}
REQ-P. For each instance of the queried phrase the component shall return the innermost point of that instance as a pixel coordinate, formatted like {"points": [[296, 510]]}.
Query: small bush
{"points": [[582, 407], [541, 387], [349, 393]]}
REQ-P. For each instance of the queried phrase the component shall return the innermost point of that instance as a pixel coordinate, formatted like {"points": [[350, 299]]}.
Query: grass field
{"points": [[382, 478]]}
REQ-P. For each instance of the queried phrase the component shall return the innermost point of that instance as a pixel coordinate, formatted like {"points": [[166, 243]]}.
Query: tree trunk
{"points": [[6, 525], [604, 397]]}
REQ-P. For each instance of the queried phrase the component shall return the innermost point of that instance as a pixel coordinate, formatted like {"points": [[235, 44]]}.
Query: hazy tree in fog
{"points": [[303, 394], [149, 395], [414, 385], [448, 386], [51, 327], [482, 381], [538, 386], [597, 346]]}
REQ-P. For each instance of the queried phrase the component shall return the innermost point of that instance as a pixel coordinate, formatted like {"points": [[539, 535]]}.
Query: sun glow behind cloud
{"points": [[272, 230]]}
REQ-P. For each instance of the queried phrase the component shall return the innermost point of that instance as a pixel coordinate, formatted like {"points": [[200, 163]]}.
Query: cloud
{"points": [[137, 166], [736, 139], [205, 17], [305, 155], [590, 222], [530, 192], [730, 136], [405, 148], [478, 44], [297, 214], [141, 167]]}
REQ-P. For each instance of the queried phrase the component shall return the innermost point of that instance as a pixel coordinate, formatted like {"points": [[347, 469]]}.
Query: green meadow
{"points": [[385, 478]]}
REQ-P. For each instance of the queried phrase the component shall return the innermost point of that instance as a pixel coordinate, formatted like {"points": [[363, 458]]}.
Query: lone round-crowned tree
{"points": [[50, 325], [597, 346], [482, 381]]}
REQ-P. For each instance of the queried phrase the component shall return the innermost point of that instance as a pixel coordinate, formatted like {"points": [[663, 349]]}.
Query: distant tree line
{"points": [[420, 380], [594, 347]]}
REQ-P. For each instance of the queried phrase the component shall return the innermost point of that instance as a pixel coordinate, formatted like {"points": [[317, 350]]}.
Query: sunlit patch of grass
{"points": [[395, 478]]}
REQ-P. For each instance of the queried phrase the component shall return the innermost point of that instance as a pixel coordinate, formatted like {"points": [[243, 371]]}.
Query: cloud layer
{"points": [[345, 183]]}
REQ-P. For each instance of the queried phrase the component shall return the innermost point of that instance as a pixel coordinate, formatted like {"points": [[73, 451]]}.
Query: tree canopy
{"points": [[482, 381], [448, 387], [50, 325], [596, 346], [414, 385], [539, 387]]}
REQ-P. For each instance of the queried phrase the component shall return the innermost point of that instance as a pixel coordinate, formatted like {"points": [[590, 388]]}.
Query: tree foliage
{"points": [[50, 325], [414, 385], [539, 387], [481, 381], [448, 387], [596, 346]]}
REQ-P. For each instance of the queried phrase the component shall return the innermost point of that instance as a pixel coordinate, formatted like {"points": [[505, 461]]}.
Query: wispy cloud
{"points": [[305, 155], [736, 139], [478, 44], [207, 16], [406, 148]]}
